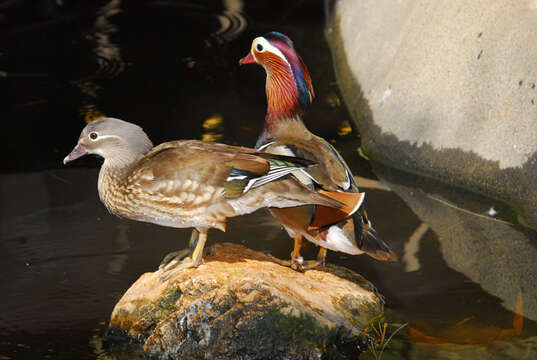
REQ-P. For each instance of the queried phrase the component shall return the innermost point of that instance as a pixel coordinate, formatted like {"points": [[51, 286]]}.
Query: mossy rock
{"points": [[241, 305]]}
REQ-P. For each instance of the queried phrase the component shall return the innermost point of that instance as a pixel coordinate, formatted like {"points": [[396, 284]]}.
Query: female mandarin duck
{"points": [[189, 183], [289, 93]]}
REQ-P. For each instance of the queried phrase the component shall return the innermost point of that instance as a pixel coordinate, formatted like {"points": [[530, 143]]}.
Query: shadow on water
{"points": [[171, 66]]}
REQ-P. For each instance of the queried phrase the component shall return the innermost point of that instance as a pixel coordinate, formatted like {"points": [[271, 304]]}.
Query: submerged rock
{"points": [[240, 304]]}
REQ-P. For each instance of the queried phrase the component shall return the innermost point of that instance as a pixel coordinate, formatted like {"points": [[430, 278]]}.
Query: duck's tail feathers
{"points": [[325, 216], [368, 240]]}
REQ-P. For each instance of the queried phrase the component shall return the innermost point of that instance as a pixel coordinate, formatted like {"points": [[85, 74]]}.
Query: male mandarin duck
{"points": [[190, 183], [289, 93]]}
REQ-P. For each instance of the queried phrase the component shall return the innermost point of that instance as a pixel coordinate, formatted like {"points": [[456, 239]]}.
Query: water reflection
{"points": [[412, 246], [491, 252], [232, 21], [107, 55], [117, 262]]}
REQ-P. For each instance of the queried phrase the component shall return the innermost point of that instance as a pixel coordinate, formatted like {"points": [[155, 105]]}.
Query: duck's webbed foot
{"points": [[182, 259], [293, 263], [176, 257], [301, 265], [297, 262], [320, 262]]}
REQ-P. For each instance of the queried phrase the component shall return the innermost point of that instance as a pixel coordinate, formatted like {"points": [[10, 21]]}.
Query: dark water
{"points": [[172, 67]]}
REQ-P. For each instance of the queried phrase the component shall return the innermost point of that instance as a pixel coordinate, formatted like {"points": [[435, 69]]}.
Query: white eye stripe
{"points": [[99, 137], [267, 46], [109, 136]]}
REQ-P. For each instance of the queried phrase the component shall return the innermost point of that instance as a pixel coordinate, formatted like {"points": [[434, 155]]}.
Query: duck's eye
{"points": [[93, 135], [260, 47]]}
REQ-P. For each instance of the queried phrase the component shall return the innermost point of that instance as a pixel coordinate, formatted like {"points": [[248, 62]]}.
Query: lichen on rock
{"points": [[240, 304]]}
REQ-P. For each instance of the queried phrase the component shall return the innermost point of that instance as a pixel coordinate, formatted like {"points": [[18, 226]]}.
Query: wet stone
{"points": [[241, 305]]}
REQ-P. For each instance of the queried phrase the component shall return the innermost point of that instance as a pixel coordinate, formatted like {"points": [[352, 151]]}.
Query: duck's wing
{"points": [[198, 172], [332, 173]]}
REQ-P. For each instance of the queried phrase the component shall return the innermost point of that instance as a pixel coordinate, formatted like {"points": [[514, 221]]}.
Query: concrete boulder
{"points": [[445, 89]]}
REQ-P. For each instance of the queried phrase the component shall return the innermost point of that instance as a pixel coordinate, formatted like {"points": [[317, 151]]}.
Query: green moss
{"points": [[167, 301], [276, 331], [151, 313]]}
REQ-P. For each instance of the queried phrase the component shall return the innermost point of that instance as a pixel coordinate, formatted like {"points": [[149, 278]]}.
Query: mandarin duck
{"points": [[289, 93], [190, 183]]}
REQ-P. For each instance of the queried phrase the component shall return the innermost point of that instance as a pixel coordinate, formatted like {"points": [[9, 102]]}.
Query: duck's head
{"points": [[118, 141], [289, 88]]}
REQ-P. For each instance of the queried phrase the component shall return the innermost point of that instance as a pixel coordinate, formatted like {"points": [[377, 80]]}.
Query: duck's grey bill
{"points": [[77, 152]]}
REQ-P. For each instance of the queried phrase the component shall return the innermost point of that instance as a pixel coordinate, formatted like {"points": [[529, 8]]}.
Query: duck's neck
{"points": [[112, 178], [290, 126], [282, 98]]}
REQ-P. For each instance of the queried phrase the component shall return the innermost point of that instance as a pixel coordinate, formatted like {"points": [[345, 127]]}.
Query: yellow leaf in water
{"points": [[210, 137], [344, 128], [92, 115], [190, 63], [213, 122]]}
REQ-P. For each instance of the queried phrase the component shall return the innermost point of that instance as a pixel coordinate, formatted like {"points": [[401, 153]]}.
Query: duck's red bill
{"points": [[248, 59]]}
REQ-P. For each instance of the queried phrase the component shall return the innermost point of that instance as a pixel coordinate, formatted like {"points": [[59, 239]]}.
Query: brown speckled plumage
{"points": [[186, 183], [180, 184]]}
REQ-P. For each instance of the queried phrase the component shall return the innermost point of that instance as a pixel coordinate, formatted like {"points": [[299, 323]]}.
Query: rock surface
{"points": [[241, 305], [446, 89]]}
